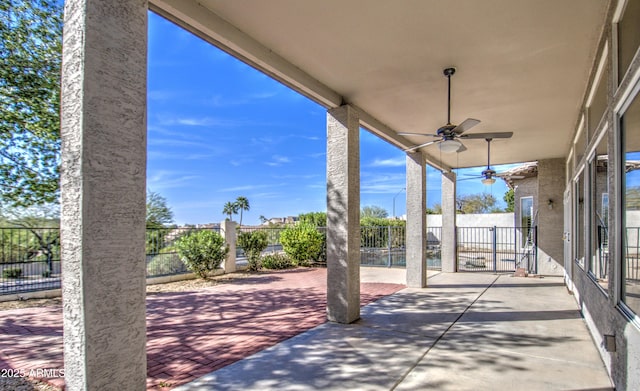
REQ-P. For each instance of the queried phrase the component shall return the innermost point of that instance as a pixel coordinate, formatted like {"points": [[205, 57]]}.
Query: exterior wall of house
{"points": [[551, 183], [475, 220], [603, 304]]}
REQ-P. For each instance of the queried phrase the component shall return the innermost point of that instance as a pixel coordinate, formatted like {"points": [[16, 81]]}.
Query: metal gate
{"points": [[496, 249]]}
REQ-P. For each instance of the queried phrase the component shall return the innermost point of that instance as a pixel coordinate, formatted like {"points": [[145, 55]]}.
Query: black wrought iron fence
{"points": [[632, 254], [29, 259], [273, 237], [385, 246], [496, 249]]}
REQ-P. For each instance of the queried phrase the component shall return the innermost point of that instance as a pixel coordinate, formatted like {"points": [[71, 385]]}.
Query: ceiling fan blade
{"points": [[466, 125], [417, 134], [487, 135], [469, 178], [420, 146]]}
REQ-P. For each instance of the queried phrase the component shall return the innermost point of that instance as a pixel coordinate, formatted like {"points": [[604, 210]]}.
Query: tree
{"points": [[472, 203], [632, 198], [476, 203], [317, 219], [242, 203], [373, 211], [159, 214], [509, 198], [230, 208], [42, 240], [30, 56]]}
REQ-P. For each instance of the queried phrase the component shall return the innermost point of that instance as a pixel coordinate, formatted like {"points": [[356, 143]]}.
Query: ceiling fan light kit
{"points": [[449, 146], [488, 181]]}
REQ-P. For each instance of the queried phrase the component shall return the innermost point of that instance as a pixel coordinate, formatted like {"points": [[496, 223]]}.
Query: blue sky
{"points": [[218, 129]]}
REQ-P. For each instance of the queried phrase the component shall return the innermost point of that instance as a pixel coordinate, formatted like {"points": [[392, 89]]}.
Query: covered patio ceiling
{"points": [[522, 65]]}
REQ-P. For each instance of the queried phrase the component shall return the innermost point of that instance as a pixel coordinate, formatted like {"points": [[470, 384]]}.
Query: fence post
{"points": [[228, 232], [389, 245], [495, 248]]}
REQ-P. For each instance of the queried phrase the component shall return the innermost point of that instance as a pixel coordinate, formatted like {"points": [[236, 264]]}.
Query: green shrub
{"points": [[12, 273], [46, 273], [202, 251], [253, 244], [277, 261], [303, 243], [165, 264]]}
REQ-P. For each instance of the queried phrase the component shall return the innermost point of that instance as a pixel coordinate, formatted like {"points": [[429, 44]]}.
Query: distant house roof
{"points": [[530, 169], [525, 170]]}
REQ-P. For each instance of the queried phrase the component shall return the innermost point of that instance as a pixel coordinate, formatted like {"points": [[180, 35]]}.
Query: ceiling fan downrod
{"points": [[448, 72]]}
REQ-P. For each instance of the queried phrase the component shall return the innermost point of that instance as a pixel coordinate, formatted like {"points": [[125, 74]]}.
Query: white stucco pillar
{"points": [[343, 215], [228, 232], [416, 231], [103, 180], [448, 242]]}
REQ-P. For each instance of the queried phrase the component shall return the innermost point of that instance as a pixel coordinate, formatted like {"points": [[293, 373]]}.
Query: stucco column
{"points": [[416, 232], [448, 242], [228, 232], [343, 215], [103, 182]]}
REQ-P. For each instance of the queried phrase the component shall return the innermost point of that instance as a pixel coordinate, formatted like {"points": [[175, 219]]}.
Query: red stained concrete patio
{"points": [[190, 334]]}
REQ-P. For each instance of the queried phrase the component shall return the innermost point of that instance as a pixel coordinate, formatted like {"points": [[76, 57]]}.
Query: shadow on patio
{"points": [[465, 332]]}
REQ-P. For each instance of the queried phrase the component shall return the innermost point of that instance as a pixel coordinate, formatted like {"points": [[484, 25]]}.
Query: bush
{"points": [[202, 251], [253, 244], [303, 243], [165, 264], [46, 273], [277, 261], [12, 273]]}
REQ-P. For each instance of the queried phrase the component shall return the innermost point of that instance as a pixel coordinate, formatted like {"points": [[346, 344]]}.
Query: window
{"points": [[579, 219], [599, 256], [628, 36], [526, 217], [630, 127], [598, 104], [580, 145]]}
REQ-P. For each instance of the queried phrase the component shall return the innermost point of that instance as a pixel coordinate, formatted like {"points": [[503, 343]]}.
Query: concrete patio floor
{"points": [[467, 331]]}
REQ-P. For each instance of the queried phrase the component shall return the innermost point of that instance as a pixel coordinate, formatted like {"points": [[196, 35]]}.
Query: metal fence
{"points": [[496, 249], [632, 255], [385, 246], [273, 237], [29, 259]]}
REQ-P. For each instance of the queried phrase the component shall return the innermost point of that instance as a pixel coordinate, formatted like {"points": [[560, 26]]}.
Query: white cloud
{"points": [[393, 162], [278, 160], [251, 187], [165, 179]]}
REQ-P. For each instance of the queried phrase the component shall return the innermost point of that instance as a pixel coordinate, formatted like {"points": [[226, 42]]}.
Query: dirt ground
{"points": [[178, 286]]}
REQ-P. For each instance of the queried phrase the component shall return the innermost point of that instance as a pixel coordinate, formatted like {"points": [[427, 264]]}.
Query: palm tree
{"points": [[242, 203], [230, 208]]}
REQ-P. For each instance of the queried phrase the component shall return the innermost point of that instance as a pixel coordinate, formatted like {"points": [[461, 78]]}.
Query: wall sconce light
{"points": [[609, 342], [550, 204]]}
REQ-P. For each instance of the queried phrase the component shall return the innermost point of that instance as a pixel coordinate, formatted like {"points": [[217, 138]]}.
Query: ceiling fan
{"points": [[449, 134], [488, 175]]}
